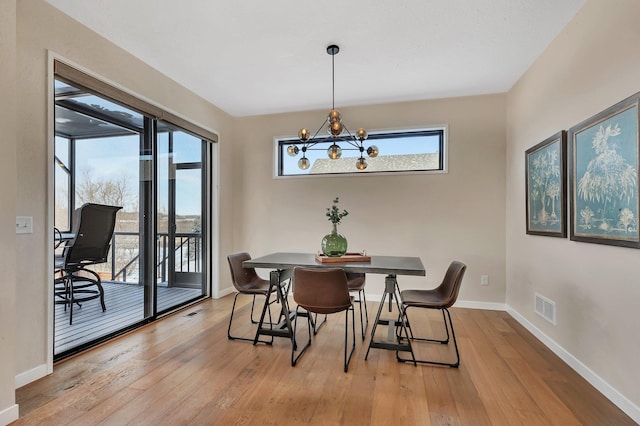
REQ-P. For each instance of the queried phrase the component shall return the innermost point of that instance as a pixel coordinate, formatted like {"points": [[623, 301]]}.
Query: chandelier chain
{"points": [[333, 82]]}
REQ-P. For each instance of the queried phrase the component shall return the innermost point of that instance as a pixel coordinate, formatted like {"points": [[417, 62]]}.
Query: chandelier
{"points": [[339, 134]]}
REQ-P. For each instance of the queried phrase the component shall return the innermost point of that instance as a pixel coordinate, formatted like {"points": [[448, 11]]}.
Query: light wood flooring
{"points": [[183, 370]]}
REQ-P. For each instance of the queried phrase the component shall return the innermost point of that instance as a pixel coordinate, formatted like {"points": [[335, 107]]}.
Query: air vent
{"points": [[545, 308]]}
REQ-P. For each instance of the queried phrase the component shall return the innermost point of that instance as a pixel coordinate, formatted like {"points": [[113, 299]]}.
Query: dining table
{"points": [[281, 265]]}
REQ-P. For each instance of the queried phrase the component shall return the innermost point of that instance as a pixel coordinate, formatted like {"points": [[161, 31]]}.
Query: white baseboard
{"points": [[489, 306], [32, 375], [9, 414], [603, 387], [221, 293]]}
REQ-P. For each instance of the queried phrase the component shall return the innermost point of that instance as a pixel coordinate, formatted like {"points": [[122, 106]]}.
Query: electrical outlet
{"points": [[484, 279]]}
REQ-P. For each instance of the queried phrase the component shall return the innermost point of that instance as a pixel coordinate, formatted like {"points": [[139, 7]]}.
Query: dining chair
{"points": [[93, 230], [322, 291], [356, 282], [246, 281], [441, 298]]}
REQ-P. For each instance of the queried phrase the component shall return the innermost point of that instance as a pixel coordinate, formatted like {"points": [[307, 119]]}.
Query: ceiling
{"points": [[255, 57]]}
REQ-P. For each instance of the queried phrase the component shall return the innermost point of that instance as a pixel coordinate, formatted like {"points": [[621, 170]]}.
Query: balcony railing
{"points": [[124, 259]]}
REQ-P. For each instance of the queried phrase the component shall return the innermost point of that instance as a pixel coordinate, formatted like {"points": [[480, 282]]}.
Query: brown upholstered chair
{"points": [[246, 281], [356, 282], [442, 298], [322, 291]]}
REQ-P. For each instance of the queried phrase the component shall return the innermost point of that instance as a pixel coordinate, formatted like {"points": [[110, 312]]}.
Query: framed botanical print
{"points": [[545, 184], [604, 158]]}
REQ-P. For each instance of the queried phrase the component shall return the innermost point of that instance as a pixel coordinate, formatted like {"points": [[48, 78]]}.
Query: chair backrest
{"points": [[322, 291], [450, 286], [242, 277], [93, 229], [355, 279]]}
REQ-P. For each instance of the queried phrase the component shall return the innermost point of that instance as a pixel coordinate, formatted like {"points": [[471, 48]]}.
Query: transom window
{"points": [[398, 151]]}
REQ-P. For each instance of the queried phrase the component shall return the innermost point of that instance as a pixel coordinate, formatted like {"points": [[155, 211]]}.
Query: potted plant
{"points": [[335, 244]]}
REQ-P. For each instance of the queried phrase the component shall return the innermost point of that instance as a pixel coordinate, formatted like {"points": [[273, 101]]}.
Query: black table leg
{"points": [[393, 341], [284, 328]]}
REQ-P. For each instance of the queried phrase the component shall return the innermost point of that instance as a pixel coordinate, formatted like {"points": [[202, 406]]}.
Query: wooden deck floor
{"points": [[124, 308], [182, 370]]}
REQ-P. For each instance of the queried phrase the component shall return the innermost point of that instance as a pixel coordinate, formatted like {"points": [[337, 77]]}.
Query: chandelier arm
{"points": [[310, 142], [324, 149], [351, 140]]}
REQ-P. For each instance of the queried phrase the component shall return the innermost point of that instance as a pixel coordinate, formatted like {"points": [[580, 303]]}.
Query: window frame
{"points": [[440, 130]]}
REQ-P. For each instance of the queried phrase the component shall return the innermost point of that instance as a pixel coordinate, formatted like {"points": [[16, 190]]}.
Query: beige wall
{"points": [[8, 410], [591, 65], [438, 217], [40, 28]]}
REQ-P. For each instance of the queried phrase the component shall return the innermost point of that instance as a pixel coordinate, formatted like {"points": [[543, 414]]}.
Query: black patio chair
{"points": [[93, 230]]}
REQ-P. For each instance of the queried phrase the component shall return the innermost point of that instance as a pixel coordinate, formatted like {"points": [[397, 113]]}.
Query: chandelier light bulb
{"points": [[292, 150], [362, 134], [334, 115], [335, 128], [361, 164], [372, 151], [303, 163], [303, 135], [334, 152]]}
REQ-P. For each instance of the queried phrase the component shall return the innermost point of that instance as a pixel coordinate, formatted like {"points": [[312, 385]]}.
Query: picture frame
{"points": [[545, 187], [604, 156]]}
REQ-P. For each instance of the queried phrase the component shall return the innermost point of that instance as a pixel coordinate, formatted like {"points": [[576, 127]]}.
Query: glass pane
{"points": [[76, 125], [62, 179], [109, 111], [180, 248], [397, 152], [186, 148]]}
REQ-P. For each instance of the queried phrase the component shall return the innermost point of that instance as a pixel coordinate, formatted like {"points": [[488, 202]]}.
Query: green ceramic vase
{"points": [[334, 244]]}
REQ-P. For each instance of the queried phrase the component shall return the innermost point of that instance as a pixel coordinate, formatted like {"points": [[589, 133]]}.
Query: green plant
{"points": [[334, 214]]}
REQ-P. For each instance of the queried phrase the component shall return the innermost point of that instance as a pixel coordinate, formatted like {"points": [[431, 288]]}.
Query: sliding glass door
{"points": [[180, 217], [106, 153]]}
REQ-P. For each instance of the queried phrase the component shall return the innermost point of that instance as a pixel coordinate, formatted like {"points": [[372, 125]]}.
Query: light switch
{"points": [[24, 225]]}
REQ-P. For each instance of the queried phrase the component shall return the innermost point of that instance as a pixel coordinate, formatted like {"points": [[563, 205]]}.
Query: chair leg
{"points": [[294, 358], [101, 290], [446, 317], [98, 283], [253, 321], [364, 322], [71, 301], [455, 342], [253, 302], [422, 339], [233, 308], [366, 311], [364, 319], [71, 293], [353, 336], [316, 325]]}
